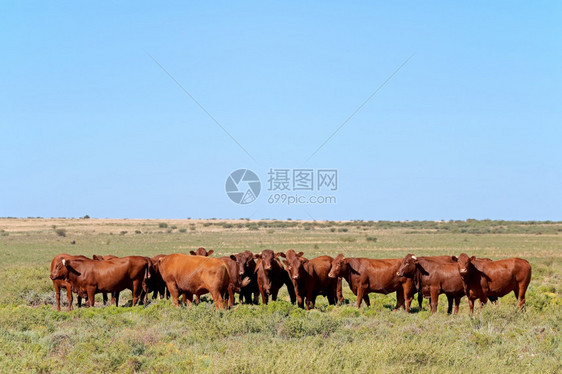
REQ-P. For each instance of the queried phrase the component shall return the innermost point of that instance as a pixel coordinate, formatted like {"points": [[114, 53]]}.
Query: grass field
{"points": [[278, 337]]}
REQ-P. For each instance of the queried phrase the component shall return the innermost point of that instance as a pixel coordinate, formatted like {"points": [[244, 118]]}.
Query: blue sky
{"points": [[469, 127]]}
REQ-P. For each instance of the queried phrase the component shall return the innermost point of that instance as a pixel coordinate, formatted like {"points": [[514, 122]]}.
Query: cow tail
{"points": [[231, 279], [146, 277]]}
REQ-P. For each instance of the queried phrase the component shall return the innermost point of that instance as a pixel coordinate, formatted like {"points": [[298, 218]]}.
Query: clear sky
{"points": [[469, 127]]}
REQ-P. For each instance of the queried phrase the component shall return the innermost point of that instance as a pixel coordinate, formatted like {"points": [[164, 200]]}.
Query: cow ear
{"points": [[478, 265], [97, 257], [280, 254], [210, 252], [257, 255], [300, 254], [454, 258], [473, 258], [232, 257], [192, 253], [258, 265], [66, 263]]}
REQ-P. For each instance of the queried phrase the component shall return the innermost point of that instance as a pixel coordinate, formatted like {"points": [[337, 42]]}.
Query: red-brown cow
{"points": [[310, 278], [236, 280], [156, 285], [247, 269], [115, 275], [62, 283], [201, 252], [195, 275], [272, 276], [104, 294], [433, 278], [487, 279], [365, 275]]}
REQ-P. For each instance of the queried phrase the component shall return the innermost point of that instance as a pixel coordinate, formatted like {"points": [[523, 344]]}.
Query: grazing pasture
{"points": [[278, 337]]}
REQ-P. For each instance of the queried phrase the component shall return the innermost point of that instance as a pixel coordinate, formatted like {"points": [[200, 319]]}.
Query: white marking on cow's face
{"points": [[63, 262]]}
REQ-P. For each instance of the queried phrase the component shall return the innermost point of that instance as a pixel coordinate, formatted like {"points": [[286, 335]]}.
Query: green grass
{"points": [[278, 337]]}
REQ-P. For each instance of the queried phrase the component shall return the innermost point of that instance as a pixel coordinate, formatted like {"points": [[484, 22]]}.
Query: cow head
{"points": [[269, 259], [339, 266], [201, 252], [295, 263], [466, 264], [245, 263], [61, 269], [407, 266]]}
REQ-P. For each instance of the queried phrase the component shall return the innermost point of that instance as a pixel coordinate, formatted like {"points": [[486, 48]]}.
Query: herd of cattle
{"points": [[251, 275]]}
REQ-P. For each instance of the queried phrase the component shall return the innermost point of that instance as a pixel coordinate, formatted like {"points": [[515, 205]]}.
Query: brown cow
{"points": [[104, 294], [156, 285], [201, 252], [62, 283], [442, 259], [115, 275], [247, 269], [237, 282], [365, 275], [271, 276], [487, 279], [432, 278], [195, 275], [310, 278]]}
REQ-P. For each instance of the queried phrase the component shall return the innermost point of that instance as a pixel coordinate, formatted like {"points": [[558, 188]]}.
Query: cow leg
{"points": [[91, 296], [231, 295], [311, 301], [256, 297], [420, 300], [175, 293], [300, 302], [104, 297], [188, 298], [115, 297], [483, 300], [399, 299], [291, 290], [367, 300], [408, 303], [360, 294], [135, 293], [471, 305], [434, 300], [69, 296], [457, 304], [57, 295], [264, 297], [521, 297], [339, 291], [197, 299], [449, 304], [79, 301], [217, 298], [243, 299], [275, 292]]}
